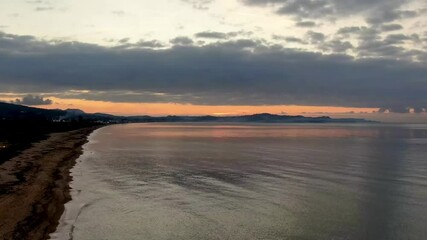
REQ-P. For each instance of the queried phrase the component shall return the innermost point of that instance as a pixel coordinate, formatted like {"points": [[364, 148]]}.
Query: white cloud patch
{"points": [[199, 4]]}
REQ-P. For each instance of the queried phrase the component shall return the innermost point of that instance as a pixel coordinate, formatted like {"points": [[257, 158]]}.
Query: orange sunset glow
{"points": [[189, 109]]}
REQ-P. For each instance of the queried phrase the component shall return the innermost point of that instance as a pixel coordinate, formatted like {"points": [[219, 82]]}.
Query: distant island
{"points": [[18, 112]]}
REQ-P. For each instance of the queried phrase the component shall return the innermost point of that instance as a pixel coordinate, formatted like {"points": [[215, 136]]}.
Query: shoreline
{"points": [[35, 185]]}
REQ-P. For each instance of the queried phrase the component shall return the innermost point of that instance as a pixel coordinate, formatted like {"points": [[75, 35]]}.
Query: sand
{"points": [[35, 185]]}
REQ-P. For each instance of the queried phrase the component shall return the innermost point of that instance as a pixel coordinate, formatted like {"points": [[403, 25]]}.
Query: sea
{"points": [[250, 181]]}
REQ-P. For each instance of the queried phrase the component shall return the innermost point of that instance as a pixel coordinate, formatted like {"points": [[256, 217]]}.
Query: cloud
{"points": [[35, 1], [33, 101], [313, 8], [150, 44], [126, 44], [374, 11], [199, 4], [119, 13], [233, 72], [402, 109], [289, 39], [42, 9], [222, 35], [306, 8], [396, 39], [350, 30], [182, 41], [361, 33], [337, 46], [124, 40], [41, 5], [373, 42], [305, 24], [315, 37], [214, 35], [391, 27], [390, 16]]}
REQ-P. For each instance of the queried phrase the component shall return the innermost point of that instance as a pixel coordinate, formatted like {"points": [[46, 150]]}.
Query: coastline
{"points": [[35, 185]]}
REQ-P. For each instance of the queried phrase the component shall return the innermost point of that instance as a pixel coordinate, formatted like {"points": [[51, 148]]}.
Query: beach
{"points": [[34, 185]]}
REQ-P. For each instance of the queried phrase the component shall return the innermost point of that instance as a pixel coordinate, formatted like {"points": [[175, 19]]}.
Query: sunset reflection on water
{"points": [[250, 181]]}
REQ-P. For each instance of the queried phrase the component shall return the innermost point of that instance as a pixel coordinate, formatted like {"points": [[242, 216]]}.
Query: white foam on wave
{"points": [[79, 202]]}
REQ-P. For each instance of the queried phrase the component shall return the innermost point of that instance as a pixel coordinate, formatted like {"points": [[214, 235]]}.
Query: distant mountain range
{"points": [[12, 112]]}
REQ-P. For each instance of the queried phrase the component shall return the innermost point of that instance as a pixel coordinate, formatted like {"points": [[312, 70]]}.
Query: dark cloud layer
{"points": [[33, 101], [232, 72]]}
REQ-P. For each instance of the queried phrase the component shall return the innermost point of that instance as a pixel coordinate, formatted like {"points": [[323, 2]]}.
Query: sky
{"points": [[350, 58]]}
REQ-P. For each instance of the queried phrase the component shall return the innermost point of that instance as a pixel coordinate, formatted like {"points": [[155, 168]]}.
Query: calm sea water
{"points": [[203, 181]]}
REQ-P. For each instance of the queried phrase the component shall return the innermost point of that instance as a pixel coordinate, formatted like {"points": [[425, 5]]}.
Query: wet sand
{"points": [[34, 185]]}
